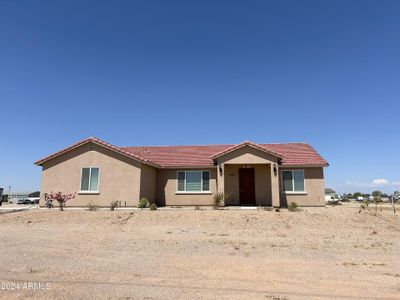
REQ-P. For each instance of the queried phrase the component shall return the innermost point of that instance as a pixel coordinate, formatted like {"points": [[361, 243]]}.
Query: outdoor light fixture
{"points": [[275, 169], [220, 170]]}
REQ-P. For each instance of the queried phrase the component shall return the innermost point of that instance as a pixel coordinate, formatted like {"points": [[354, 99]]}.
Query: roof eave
{"points": [[189, 167], [304, 165]]}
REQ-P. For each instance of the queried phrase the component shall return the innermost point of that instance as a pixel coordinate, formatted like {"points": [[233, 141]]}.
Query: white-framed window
{"points": [[293, 180], [193, 181], [90, 179]]}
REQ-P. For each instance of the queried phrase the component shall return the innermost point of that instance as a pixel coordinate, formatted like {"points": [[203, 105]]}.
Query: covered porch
{"points": [[248, 176]]}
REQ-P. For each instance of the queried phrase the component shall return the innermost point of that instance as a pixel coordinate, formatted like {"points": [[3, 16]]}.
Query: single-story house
{"points": [[251, 174]]}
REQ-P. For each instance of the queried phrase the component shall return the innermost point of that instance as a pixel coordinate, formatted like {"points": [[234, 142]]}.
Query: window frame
{"points": [[193, 192], [293, 191], [90, 174]]}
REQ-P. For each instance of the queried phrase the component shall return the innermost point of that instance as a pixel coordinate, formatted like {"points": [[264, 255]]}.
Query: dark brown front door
{"points": [[247, 193]]}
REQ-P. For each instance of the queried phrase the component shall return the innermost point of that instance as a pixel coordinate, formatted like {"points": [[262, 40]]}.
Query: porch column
{"points": [[275, 186], [220, 178]]}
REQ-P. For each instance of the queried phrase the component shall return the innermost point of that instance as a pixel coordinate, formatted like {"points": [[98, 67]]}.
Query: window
{"points": [[293, 180], [193, 181], [90, 179]]}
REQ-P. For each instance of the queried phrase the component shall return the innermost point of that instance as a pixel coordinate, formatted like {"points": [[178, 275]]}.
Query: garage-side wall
{"points": [[313, 185], [148, 179], [167, 190], [119, 176]]}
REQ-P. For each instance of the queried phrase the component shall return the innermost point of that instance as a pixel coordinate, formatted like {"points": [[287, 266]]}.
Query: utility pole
{"points": [[394, 207]]}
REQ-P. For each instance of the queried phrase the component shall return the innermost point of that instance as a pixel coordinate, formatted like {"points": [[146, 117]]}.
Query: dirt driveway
{"points": [[320, 253]]}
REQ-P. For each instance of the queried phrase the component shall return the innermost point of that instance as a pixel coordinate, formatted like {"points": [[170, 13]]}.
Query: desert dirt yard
{"points": [[317, 253]]}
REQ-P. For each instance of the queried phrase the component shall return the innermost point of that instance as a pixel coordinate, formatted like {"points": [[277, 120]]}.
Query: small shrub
{"points": [[60, 198], [197, 207], [219, 200], [364, 205], [153, 206], [293, 206], [113, 205], [92, 206], [377, 198], [143, 203]]}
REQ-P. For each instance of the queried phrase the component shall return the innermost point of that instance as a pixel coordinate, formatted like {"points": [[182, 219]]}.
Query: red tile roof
{"points": [[202, 156], [181, 156]]}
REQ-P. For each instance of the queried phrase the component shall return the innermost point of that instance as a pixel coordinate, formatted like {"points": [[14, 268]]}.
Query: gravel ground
{"points": [[317, 253]]}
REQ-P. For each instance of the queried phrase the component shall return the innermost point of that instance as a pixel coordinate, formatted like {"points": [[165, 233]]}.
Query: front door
{"points": [[247, 191]]}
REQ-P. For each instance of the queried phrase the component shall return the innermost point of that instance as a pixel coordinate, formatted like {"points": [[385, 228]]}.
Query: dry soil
{"points": [[317, 253]]}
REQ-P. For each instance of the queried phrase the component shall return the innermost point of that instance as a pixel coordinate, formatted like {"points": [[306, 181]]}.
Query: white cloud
{"points": [[380, 181], [357, 184]]}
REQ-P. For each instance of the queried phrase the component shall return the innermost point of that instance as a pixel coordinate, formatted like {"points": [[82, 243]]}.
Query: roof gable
{"points": [[245, 144], [96, 141]]}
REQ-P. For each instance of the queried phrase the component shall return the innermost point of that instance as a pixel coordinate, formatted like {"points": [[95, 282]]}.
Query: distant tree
{"points": [[376, 194], [377, 197], [329, 191], [356, 195]]}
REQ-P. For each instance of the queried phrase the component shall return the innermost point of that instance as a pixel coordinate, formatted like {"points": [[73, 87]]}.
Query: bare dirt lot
{"points": [[318, 253]]}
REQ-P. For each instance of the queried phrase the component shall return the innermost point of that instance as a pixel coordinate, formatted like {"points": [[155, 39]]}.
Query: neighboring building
{"points": [[252, 174], [13, 197], [34, 195], [385, 199], [330, 194]]}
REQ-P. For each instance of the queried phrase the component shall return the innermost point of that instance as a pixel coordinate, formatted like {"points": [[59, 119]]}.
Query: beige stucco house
{"points": [[251, 174]]}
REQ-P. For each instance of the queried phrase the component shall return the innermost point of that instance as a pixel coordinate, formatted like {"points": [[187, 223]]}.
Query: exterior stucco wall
{"points": [[148, 180], [262, 174], [167, 190], [119, 176], [313, 185]]}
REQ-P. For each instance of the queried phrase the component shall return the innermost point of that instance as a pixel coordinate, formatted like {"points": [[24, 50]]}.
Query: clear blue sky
{"points": [[200, 72]]}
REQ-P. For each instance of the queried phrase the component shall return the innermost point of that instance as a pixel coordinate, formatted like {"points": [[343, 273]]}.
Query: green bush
{"points": [[293, 206], [153, 206], [143, 203], [219, 200]]}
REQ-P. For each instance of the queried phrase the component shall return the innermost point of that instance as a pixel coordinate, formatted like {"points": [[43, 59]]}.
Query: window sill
{"points": [[88, 193], [193, 193], [296, 193]]}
